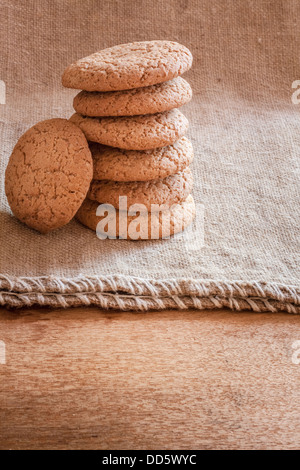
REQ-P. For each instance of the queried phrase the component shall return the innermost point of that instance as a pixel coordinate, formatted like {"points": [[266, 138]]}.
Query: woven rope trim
{"points": [[130, 293]]}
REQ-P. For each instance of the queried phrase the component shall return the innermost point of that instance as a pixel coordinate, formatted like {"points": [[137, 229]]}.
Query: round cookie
{"points": [[134, 132], [144, 226], [168, 191], [148, 100], [49, 174], [141, 165], [127, 66]]}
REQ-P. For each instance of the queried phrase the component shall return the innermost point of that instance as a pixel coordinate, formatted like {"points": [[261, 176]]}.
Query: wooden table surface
{"points": [[92, 379]]}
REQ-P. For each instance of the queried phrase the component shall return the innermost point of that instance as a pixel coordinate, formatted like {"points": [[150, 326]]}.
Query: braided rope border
{"points": [[131, 293]]}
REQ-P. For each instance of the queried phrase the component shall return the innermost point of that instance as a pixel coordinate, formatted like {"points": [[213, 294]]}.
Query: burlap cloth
{"points": [[245, 131]]}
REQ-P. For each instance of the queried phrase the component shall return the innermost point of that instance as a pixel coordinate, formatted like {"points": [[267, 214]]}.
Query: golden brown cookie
{"points": [[49, 174], [148, 100], [140, 226], [141, 165], [168, 191], [134, 132], [127, 66]]}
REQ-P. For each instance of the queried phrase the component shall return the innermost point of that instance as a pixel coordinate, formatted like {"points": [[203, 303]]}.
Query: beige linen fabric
{"points": [[245, 132]]}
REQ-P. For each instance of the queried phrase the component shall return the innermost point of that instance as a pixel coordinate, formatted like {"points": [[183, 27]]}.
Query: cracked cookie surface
{"points": [[140, 165], [127, 66], [48, 174], [168, 191], [147, 100], [134, 132], [144, 226]]}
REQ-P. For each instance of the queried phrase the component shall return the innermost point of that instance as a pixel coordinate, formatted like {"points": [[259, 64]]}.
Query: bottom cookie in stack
{"points": [[144, 226]]}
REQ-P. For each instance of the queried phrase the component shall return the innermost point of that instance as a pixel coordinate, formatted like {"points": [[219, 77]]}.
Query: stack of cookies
{"points": [[127, 110]]}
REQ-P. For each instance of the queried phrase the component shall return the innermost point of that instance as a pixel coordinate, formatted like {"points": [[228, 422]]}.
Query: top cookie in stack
{"points": [[128, 109], [128, 66]]}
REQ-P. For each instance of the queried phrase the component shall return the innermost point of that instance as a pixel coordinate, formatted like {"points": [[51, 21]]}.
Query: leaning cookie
{"points": [[134, 132], [148, 100], [168, 191], [142, 226], [49, 174], [127, 66], [141, 165]]}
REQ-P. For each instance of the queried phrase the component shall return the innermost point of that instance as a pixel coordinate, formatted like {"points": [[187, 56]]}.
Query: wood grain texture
{"points": [[88, 379]]}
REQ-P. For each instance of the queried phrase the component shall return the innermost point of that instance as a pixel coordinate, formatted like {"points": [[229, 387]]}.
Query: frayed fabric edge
{"points": [[135, 294]]}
